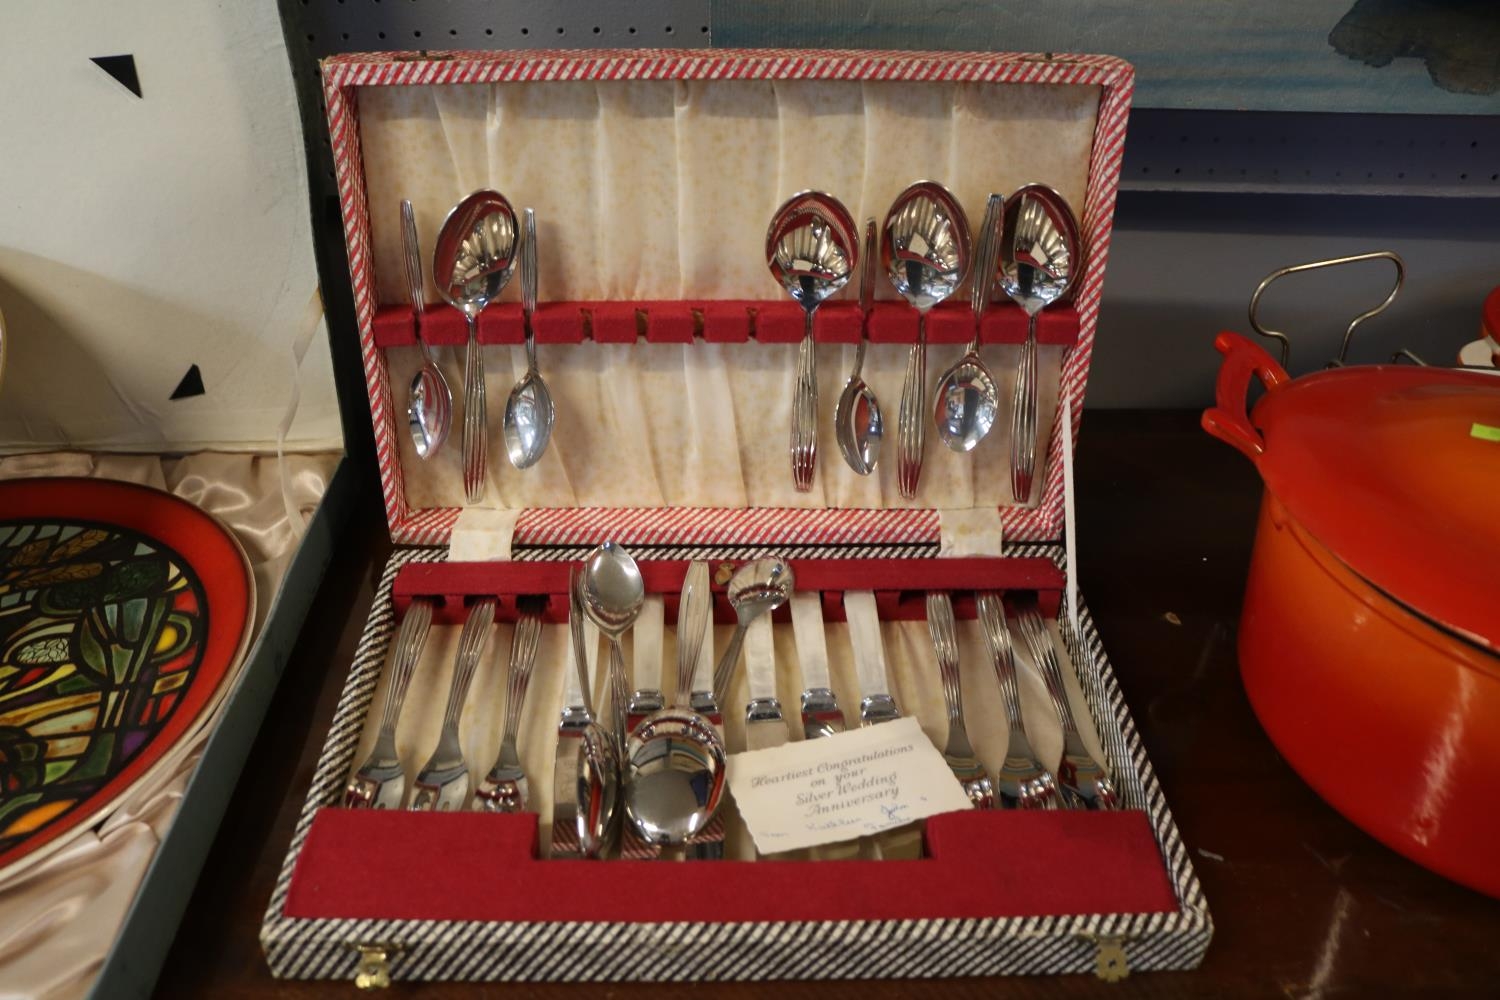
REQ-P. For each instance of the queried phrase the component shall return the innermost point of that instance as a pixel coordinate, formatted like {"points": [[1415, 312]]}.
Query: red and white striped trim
{"points": [[343, 75]]}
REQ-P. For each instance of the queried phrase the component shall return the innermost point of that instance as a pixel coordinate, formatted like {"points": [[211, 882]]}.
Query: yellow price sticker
{"points": [[1485, 432]]}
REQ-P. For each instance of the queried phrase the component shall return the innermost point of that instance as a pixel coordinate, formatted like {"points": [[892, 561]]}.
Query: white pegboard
{"points": [[332, 26]]}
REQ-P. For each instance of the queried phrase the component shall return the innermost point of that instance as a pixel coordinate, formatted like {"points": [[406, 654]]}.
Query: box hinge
{"points": [[1110, 963], [374, 969]]}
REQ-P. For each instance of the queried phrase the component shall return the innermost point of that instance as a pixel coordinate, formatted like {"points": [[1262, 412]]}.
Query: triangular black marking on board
{"points": [[122, 68], [191, 384]]}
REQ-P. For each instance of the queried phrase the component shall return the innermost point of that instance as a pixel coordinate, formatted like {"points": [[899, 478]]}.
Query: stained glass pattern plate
{"points": [[124, 613]]}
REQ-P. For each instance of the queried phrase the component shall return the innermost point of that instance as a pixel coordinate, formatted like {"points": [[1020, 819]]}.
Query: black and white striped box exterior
{"points": [[850, 949]]}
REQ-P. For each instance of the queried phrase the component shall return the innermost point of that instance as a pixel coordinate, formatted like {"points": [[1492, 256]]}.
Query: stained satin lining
{"points": [[59, 918]]}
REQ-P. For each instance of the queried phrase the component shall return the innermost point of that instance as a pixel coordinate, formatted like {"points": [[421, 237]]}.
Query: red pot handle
{"points": [[1229, 420]]}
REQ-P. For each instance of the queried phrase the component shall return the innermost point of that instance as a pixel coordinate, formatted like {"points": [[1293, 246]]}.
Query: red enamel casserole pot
{"points": [[1370, 639]]}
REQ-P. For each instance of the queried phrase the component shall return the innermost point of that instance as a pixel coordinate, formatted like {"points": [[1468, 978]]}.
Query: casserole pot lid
{"points": [[1396, 470]]}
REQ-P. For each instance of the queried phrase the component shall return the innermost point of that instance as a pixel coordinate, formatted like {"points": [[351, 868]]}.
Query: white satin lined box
{"points": [[669, 351], [97, 335]]}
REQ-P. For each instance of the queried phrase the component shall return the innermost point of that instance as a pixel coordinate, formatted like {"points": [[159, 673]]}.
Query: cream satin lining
{"points": [[59, 918], [708, 425], [910, 666], [663, 189]]}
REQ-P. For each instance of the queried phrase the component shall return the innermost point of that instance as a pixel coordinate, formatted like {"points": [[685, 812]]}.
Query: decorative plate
{"points": [[123, 613]]}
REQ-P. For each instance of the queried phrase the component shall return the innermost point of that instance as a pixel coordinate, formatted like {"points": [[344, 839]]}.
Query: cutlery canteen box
{"points": [[670, 353]]}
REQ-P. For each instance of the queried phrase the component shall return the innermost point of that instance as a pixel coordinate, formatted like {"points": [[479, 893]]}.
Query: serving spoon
{"points": [[1038, 259], [472, 263], [925, 249], [812, 251], [674, 765], [857, 421], [967, 400], [528, 412], [429, 410]]}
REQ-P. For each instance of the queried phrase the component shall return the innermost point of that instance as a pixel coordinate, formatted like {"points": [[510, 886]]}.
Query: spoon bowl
{"points": [[528, 412], [674, 775], [472, 263]]}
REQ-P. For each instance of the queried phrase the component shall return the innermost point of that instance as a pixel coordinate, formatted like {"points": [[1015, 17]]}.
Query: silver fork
{"points": [[959, 753], [504, 788], [1023, 783], [443, 783], [380, 782], [1082, 782]]}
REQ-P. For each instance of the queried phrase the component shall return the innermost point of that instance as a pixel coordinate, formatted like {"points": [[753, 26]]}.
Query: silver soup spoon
{"points": [[429, 411], [1038, 259], [528, 411], [925, 249], [472, 263], [811, 251], [967, 399], [857, 421]]}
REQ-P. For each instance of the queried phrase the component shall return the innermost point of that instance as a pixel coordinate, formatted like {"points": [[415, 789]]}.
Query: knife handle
{"points": [[812, 646], [864, 636]]}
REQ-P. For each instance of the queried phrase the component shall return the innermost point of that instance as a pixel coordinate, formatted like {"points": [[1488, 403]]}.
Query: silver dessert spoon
{"points": [[1038, 259], [925, 249], [528, 412], [857, 421], [674, 767], [967, 400], [429, 410], [811, 250], [757, 588], [472, 263], [613, 593]]}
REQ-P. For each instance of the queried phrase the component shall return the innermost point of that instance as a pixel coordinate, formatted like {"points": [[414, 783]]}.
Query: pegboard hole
{"points": [[562, 31], [669, 29], [453, 32], [416, 34], [631, 30], [525, 31], [596, 29], [489, 31]]}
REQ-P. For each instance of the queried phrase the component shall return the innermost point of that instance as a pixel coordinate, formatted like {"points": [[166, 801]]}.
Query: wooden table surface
{"points": [[1304, 904]]}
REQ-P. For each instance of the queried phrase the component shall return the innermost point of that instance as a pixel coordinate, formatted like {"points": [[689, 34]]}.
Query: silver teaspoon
{"points": [[613, 593], [528, 412], [588, 782], [967, 400], [811, 251], [674, 767], [925, 249], [472, 263], [857, 421], [757, 588], [1038, 259], [429, 412]]}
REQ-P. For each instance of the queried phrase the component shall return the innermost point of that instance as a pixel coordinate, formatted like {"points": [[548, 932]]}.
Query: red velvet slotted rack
{"points": [[720, 322], [900, 585]]}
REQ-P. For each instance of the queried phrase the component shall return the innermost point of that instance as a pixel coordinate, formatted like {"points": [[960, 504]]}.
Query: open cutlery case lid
{"points": [[601, 143]]}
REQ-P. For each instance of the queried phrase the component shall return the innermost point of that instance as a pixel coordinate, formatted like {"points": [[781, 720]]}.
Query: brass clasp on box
{"points": [[1110, 963], [374, 969]]}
